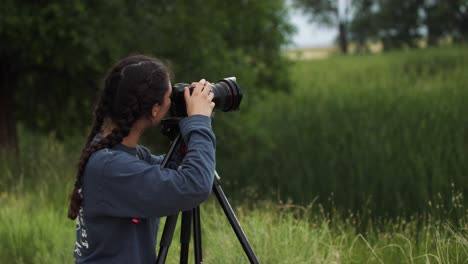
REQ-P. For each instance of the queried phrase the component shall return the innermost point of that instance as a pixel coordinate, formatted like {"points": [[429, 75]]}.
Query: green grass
{"points": [[386, 132], [34, 227], [33, 230]]}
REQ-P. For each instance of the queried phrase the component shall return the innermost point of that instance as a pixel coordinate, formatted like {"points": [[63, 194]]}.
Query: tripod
{"points": [[170, 128]]}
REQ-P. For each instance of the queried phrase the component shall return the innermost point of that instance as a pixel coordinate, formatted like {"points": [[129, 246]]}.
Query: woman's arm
{"points": [[124, 186], [156, 160]]}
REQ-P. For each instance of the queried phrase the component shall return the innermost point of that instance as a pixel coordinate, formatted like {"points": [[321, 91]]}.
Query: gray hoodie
{"points": [[125, 191]]}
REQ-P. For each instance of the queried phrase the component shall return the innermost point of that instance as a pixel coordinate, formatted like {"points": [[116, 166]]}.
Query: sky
{"points": [[311, 35]]}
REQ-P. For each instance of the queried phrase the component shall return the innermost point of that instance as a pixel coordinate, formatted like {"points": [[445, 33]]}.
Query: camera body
{"points": [[227, 97]]}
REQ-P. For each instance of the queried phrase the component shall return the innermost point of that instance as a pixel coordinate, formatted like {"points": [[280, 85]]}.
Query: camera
{"points": [[227, 97]]}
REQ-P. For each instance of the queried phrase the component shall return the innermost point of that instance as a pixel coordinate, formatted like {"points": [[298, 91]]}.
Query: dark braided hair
{"points": [[131, 88]]}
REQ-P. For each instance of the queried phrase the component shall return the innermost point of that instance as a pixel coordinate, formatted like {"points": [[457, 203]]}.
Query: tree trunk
{"points": [[431, 38], [343, 38], [8, 138]]}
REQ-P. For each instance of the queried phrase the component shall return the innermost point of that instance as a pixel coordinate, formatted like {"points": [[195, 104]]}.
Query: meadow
{"points": [[364, 160], [386, 133]]}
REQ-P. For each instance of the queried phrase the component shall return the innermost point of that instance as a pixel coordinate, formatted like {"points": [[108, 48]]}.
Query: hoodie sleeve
{"points": [[119, 184], [146, 155], [156, 160]]}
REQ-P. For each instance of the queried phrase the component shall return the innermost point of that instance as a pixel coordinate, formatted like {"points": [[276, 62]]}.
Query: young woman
{"points": [[120, 190]]}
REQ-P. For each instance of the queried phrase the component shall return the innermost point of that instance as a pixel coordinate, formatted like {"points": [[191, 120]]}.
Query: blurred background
{"points": [[354, 117]]}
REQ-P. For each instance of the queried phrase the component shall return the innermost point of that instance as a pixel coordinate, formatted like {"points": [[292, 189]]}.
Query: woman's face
{"points": [[162, 109], [167, 100]]}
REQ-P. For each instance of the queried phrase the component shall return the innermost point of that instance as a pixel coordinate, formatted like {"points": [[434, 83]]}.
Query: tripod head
{"points": [[170, 127]]}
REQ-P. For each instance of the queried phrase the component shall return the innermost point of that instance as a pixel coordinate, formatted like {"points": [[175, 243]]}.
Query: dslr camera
{"points": [[227, 97]]}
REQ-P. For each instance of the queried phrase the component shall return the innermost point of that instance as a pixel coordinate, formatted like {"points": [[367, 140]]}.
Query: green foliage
{"points": [[321, 11], [399, 23], [446, 19], [363, 27], [385, 133], [58, 51], [403, 24]]}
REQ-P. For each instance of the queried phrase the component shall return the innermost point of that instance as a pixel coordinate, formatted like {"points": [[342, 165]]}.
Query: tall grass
{"points": [[32, 231], [34, 227], [386, 133]]}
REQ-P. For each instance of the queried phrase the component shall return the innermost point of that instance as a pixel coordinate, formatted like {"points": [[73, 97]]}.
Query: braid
{"points": [[109, 141], [131, 89], [99, 114], [115, 137], [76, 198]]}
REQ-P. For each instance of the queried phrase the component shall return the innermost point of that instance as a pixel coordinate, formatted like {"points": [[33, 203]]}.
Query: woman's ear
{"points": [[155, 110]]}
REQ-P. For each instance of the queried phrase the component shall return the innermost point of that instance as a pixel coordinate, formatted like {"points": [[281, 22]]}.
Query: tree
{"points": [[363, 27], [400, 24], [329, 13], [54, 53], [394, 23], [445, 19]]}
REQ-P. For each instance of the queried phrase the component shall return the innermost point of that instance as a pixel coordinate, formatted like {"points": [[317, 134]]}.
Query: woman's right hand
{"points": [[200, 101]]}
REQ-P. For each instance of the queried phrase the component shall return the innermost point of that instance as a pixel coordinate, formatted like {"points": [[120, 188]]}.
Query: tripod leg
{"points": [[233, 220], [166, 238], [171, 221], [197, 235], [185, 236]]}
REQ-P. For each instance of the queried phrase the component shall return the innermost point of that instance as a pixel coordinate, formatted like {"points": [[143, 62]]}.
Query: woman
{"points": [[120, 190]]}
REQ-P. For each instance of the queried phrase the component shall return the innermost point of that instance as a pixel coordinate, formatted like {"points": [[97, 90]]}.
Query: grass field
{"points": [[34, 229], [367, 164], [386, 133], [37, 232]]}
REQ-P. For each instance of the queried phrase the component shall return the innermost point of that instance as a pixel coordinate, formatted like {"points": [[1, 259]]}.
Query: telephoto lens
{"points": [[227, 97]]}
